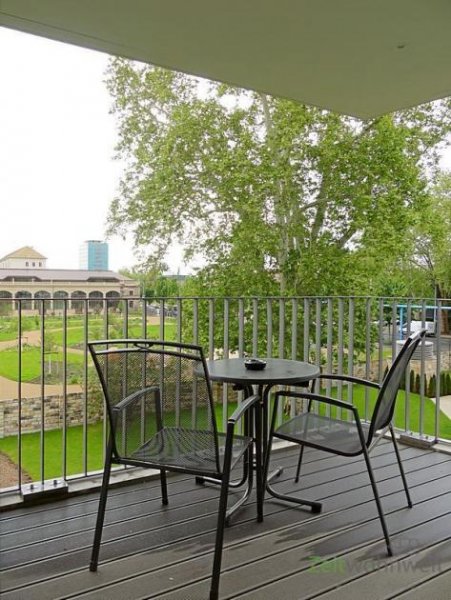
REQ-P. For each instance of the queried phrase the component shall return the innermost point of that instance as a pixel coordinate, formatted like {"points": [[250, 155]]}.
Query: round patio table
{"points": [[278, 371]]}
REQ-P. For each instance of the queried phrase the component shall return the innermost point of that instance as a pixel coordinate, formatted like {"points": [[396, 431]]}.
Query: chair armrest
{"points": [[319, 398], [132, 397], [242, 408], [350, 378]]}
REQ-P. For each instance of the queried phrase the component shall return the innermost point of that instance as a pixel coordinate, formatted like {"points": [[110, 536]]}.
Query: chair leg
{"points": [[164, 487], [259, 463], [398, 457], [101, 509], [298, 469], [222, 511], [378, 502], [301, 451]]}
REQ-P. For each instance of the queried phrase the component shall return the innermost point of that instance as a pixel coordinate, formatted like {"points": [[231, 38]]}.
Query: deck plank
{"points": [[436, 588], [166, 553]]}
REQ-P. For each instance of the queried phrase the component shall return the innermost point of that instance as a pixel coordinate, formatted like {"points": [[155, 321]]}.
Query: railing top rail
{"points": [[298, 297]]}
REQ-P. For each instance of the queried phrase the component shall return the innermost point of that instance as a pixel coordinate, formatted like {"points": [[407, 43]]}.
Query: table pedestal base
{"points": [[247, 477], [236, 484], [315, 506]]}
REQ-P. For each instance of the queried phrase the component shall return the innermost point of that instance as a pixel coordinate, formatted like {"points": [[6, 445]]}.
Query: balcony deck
{"points": [[165, 553]]}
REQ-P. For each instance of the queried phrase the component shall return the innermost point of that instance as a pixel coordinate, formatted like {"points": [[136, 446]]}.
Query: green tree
{"points": [[166, 286], [432, 233], [274, 196]]}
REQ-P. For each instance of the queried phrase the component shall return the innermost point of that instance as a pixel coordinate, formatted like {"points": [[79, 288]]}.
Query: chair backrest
{"points": [[151, 385], [385, 403]]}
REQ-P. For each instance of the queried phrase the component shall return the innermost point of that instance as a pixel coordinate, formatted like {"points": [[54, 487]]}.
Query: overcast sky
{"points": [[57, 139], [57, 175]]}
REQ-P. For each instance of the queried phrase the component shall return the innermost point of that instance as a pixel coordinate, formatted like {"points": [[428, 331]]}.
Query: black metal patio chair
{"points": [[328, 431], [161, 415]]}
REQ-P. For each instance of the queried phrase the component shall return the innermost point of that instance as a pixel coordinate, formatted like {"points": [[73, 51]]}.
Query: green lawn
{"points": [[75, 327], [31, 362], [31, 355], [413, 407], [53, 444]]}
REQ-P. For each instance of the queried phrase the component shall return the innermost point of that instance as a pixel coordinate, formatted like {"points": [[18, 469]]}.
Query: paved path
{"points": [[445, 405], [33, 338], [9, 389]]}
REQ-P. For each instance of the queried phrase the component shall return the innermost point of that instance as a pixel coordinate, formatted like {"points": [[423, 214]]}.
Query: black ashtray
{"points": [[255, 364]]}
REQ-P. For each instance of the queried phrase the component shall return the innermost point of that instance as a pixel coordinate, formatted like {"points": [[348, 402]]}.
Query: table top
{"points": [[277, 371]]}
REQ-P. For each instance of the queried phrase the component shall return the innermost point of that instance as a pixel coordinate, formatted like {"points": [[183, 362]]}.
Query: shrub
{"points": [[432, 387]]}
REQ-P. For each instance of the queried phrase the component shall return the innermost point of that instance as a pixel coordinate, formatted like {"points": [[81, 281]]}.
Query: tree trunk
{"points": [[445, 314]]}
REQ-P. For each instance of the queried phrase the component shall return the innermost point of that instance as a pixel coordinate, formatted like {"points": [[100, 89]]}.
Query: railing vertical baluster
{"points": [[281, 348], [42, 428], [196, 321], [19, 391], [438, 365], [178, 392], [294, 328], [340, 352], [318, 332], [64, 415], [211, 329], [294, 343], [106, 320], [394, 317], [225, 387], [329, 347], [125, 318], [226, 349], [281, 327], [368, 314], [241, 344], [351, 347], [380, 370], [255, 326], [85, 387], [144, 317], [240, 327], [161, 319], [105, 430], [409, 317], [269, 334], [306, 354], [407, 426], [195, 341], [422, 371], [179, 319]]}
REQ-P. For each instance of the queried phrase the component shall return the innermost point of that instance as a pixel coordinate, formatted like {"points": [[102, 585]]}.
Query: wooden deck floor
{"points": [[165, 553]]}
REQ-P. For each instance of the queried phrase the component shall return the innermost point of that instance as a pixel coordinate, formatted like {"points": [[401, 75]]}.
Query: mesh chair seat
{"points": [[326, 433], [189, 449]]}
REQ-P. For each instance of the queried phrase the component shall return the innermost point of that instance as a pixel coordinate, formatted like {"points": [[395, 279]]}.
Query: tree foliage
{"points": [[433, 237], [274, 196]]}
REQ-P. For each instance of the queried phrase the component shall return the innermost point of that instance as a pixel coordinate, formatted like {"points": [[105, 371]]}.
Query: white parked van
{"points": [[430, 327]]}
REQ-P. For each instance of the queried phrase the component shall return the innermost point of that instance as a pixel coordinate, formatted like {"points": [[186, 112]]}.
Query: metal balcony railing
{"points": [[52, 422]]}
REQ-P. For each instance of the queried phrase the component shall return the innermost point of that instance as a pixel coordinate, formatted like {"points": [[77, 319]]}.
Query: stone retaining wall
{"points": [[53, 413]]}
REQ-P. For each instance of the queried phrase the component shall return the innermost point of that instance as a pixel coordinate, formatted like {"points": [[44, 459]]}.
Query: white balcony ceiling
{"points": [[357, 57]]}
